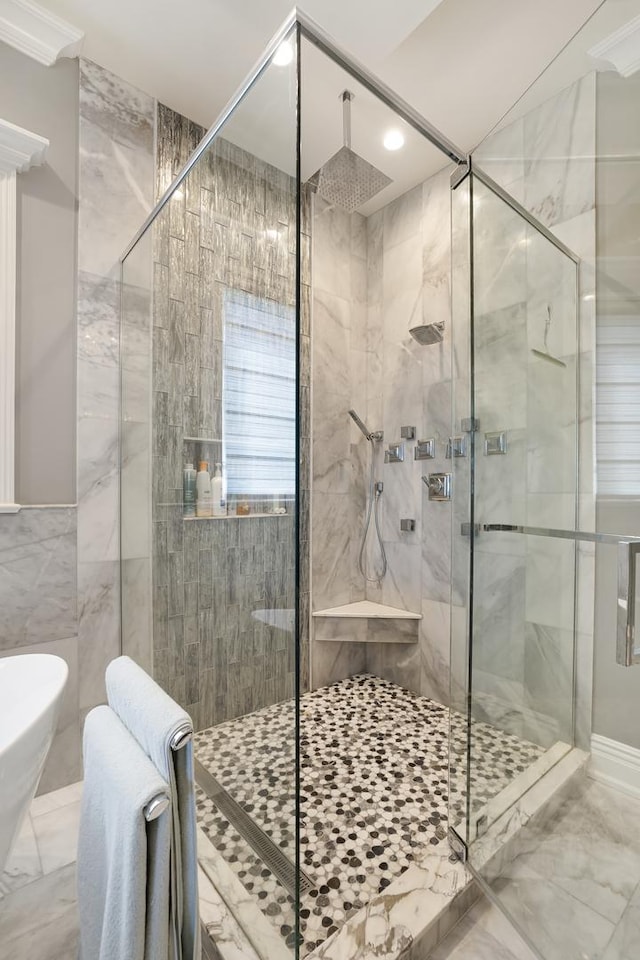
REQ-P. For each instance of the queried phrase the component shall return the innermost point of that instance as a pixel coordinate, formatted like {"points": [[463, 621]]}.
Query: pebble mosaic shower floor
{"points": [[374, 793]]}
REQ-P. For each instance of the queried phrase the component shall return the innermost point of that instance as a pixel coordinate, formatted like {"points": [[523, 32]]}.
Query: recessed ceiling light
{"points": [[393, 139], [283, 55]]}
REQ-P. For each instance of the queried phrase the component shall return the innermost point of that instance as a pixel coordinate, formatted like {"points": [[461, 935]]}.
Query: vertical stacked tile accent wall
{"points": [[224, 590]]}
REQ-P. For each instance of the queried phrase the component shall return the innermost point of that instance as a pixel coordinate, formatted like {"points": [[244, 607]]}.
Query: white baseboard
{"points": [[615, 764]]}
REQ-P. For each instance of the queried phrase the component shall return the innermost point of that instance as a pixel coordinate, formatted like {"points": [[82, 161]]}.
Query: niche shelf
{"points": [[366, 622]]}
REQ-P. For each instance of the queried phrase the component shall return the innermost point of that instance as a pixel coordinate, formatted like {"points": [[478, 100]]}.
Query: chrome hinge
{"points": [[458, 845], [460, 174]]}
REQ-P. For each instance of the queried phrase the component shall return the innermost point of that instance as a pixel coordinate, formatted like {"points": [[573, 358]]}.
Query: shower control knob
{"points": [[439, 485]]}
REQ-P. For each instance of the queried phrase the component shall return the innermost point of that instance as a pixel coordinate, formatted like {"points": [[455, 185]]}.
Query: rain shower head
{"points": [[347, 180], [426, 333]]}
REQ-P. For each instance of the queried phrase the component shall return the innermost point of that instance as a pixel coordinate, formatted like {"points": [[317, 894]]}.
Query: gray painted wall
{"points": [[616, 706], [45, 101]]}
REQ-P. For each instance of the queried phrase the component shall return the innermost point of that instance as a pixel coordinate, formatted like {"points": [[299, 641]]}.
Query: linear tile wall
{"points": [[223, 590]]}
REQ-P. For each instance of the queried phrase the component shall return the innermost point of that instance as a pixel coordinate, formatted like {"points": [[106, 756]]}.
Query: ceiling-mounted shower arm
{"points": [[346, 96]]}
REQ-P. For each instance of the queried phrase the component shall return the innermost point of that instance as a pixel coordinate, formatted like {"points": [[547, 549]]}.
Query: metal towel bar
{"points": [[156, 807], [627, 652]]}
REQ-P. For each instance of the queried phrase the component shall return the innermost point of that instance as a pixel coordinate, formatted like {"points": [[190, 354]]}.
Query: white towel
{"points": [[123, 861], [153, 718]]}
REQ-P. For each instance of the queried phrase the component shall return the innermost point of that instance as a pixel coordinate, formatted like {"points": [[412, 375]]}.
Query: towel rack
{"points": [[156, 807]]}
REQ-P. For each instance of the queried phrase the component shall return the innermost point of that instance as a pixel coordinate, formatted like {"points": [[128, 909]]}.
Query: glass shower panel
{"points": [[524, 466], [213, 369]]}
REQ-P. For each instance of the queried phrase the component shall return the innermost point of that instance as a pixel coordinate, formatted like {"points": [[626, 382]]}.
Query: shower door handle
{"points": [[627, 649], [627, 644]]}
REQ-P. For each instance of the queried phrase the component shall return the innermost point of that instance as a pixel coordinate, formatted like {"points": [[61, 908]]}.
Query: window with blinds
{"points": [[618, 407], [259, 396]]}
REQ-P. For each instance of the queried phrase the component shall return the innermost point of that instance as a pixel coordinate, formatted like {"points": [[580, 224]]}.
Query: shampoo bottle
{"points": [[189, 490], [217, 493], [203, 489]]}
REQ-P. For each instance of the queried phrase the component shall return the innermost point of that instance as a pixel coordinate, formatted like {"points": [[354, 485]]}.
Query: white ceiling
{"points": [[461, 63]]}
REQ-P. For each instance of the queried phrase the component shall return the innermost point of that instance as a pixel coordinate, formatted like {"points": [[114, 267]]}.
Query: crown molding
{"points": [[38, 33], [20, 149], [621, 49]]}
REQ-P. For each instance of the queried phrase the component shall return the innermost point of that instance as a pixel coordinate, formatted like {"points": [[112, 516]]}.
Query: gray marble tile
{"points": [[572, 931], [502, 156], [403, 218], [136, 611], [548, 676], [135, 482], [56, 835], [435, 640], [336, 661], [331, 346], [97, 490], [483, 934], [331, 249], [116, 141], [625, 942], [99, 616], [23, 865], [436, 240], [52, 900], [38, 575], [558, 136]]}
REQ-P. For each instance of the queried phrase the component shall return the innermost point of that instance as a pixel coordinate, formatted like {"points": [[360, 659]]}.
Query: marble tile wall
{"points": [[38, 599], [339, 382], [116, 194], [409, 271], [373, 279], [224, 589]]}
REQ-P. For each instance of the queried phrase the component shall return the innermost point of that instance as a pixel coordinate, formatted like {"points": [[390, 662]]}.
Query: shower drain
{"points": [[271, 855]]}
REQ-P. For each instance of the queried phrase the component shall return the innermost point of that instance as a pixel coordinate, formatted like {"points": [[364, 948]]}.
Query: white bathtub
{"points": [[31, 688]]}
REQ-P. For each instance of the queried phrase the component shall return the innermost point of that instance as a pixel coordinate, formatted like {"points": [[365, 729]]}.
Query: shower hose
{"points": [[372, 509]]}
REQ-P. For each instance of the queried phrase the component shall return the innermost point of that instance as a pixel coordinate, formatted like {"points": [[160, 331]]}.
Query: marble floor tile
{"points": [[57, 836], [23, 865], [560, 927], [625, 942], [56, 799], [39, 921], [586, 852], [484, 933]]}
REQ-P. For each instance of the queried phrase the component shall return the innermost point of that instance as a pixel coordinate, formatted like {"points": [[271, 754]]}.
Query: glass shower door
{"points": [[513, 647]]}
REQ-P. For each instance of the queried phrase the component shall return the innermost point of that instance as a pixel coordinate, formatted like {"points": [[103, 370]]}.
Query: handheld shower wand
{"points": [[373, 500], [376, 435]]}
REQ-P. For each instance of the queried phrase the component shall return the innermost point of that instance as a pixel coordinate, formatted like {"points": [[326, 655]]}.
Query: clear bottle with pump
{"points": [[204, 505], [217, 493], [189, 490]]}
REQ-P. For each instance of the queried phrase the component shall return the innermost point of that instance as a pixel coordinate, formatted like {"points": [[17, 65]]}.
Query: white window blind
{"points": [[618, 407], [259, 396]]}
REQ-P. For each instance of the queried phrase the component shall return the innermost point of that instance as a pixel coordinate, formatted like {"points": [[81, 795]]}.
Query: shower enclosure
{"points": [[351, 725]]}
